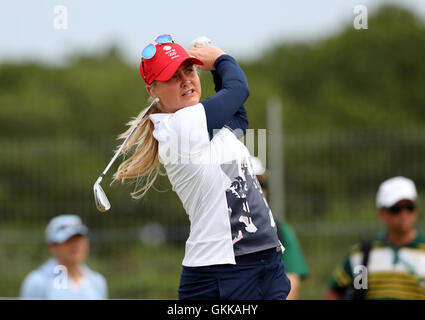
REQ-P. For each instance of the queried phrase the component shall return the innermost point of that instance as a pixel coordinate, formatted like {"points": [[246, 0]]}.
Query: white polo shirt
{"points": [[215, 182]]}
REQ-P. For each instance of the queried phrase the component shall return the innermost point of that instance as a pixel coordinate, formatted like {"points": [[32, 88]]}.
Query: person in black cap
{"points": [[65, 276]]}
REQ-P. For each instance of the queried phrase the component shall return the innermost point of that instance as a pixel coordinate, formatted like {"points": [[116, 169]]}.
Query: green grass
{"points": [[137, 271], [134, 271]]}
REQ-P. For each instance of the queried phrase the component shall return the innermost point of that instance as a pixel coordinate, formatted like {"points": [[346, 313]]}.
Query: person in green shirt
{"points": [[293, 258], [395, 268], [295, 265]]}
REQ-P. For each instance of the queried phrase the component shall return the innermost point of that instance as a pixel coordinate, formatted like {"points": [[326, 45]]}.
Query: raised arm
{"points": [[225, 108]]}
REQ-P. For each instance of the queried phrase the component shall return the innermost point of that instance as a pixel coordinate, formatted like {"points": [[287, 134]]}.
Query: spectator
{"points": [[395, 261], [65, 276]]}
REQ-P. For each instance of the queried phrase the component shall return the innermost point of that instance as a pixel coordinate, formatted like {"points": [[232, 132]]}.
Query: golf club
{"points": [[100, 198]]}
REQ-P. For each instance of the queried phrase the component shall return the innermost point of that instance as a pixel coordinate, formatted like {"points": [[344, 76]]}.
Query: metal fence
{"points": [[331, 179]]}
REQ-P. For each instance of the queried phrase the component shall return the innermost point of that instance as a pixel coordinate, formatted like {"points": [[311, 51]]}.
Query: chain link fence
{"points": [[331, 179]]}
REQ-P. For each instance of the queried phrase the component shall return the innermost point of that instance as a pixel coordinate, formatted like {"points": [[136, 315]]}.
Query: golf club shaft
{"points": [[123, 145], [117, 154]]}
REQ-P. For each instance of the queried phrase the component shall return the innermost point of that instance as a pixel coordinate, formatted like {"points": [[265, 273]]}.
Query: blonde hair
{"points": [[143, 165]]}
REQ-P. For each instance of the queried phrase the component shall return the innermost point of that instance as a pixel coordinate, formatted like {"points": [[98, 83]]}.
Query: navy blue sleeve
{"points": [[225, 108]]}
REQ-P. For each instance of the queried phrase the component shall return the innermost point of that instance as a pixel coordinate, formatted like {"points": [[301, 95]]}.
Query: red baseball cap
{"points": [[166, 61]]}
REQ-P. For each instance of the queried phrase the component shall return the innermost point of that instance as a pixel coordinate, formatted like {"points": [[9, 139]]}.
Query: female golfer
{"points": [[233, 249]]}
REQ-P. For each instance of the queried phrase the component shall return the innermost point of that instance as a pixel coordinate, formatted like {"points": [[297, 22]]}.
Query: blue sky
{"points": [[243, 28]]}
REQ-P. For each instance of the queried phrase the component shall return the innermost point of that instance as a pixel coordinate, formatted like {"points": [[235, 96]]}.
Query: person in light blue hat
{"points": [[65, 276]]}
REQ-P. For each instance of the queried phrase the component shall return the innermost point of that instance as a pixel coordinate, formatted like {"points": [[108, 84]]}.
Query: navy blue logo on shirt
{"points": [[252, 224]]}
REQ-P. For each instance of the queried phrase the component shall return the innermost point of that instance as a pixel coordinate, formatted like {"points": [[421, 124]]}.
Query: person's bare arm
{"points": [[295, 286], [331, 294]]}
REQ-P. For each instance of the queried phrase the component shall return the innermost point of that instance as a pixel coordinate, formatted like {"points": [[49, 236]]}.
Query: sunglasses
{"points": [[399, 208], [150, 50]]}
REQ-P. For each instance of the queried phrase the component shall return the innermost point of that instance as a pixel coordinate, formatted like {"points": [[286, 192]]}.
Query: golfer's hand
{"points": [[207, 54]]}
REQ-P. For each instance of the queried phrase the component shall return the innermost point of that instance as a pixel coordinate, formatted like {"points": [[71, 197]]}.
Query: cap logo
{"points": [[171, 52]]}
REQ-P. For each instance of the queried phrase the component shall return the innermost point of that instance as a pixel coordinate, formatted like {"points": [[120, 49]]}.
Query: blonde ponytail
{"points": [[143, 165]]}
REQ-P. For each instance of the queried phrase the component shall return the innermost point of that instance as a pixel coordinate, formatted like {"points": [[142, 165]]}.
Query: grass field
{"points": [[135, 271]]}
